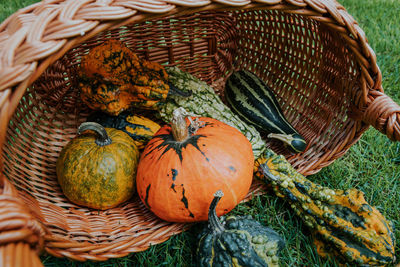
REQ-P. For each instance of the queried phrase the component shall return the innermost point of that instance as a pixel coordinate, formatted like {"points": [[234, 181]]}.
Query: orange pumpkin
{"points": [[185, 163]]}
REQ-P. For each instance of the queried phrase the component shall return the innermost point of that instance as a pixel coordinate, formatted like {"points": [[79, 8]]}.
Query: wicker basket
{"points": [[311, 52]]}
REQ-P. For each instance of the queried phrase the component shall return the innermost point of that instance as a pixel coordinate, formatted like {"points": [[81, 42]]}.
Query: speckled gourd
{"points": [[112, 78], [344, 224], [237, 241], [139, 128], [97, 168]]}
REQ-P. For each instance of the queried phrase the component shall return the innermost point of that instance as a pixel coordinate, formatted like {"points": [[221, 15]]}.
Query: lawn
{"points": [[371, 165]]}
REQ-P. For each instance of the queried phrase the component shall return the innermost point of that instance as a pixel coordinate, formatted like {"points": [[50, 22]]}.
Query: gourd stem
{"points": [[267, 174], [213, 220], [102, 138], [179, 129], [173, 90], [286, 138]]}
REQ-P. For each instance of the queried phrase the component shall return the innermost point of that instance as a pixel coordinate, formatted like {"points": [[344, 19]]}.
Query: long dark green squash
{"points": [[254, 102]]}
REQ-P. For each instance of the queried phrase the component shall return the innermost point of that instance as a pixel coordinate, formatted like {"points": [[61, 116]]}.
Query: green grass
{"points": [[8, 7], [371, 165]]}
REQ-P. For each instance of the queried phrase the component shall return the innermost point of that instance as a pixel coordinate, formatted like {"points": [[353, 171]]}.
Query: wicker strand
{"points": [[21, 234], [384, 114]]}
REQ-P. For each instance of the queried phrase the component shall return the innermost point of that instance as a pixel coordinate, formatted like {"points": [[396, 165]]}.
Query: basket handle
{"points": [[383, 114], [21, 234]]}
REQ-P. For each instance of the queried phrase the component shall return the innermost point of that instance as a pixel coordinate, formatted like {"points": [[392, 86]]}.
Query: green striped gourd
{"points": [[205, 102], [343, 224], [255, 103]]}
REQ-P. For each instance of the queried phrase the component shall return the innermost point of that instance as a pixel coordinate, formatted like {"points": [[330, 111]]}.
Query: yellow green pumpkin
{"points": [[97, 169]]}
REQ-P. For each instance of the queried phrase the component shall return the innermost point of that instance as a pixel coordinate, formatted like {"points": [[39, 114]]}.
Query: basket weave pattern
{"points": [[311, 52]]}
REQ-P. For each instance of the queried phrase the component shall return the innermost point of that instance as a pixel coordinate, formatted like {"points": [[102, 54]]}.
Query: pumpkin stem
{"points": [[102, 138], [179, 129], [213, 220]]}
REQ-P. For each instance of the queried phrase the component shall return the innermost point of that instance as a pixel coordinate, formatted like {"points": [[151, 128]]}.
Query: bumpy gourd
{"points": [[237, 241], [344, 224], [112, 78], [97, 168], [139, 128], [187, 161]]}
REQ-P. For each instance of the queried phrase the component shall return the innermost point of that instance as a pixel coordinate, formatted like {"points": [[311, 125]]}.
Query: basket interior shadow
{"points": [[306, 63]]}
